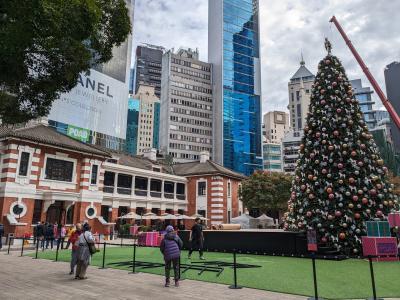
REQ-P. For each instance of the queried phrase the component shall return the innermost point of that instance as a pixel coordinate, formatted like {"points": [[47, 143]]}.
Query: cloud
{"points": [[287, 27]]}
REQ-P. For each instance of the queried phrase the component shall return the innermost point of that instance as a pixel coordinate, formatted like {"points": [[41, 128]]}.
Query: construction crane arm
{"points": [[395, 117]]}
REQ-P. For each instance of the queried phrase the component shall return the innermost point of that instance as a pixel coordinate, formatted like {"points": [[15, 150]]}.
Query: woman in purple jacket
{"points": [[171, 246]]}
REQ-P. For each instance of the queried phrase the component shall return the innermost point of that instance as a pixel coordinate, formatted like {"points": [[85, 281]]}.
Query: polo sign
{"points": [[78, 133]]}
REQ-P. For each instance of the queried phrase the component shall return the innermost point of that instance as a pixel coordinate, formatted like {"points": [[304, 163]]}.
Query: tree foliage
{"points": [[45, 44], [266, 191]]}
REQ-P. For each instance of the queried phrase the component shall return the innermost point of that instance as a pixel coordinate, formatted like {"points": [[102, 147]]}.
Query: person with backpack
{"points": [[170, 247], [40, 232], [49, 234]]}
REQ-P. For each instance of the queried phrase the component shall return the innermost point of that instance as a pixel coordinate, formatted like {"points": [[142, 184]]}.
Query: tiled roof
{"points": [[302, 72], [49, 136], [208, 167]]}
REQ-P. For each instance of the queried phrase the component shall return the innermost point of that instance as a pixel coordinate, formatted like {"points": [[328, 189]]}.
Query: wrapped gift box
{"points": [[380, 246], [394, 219], [378, 229]]}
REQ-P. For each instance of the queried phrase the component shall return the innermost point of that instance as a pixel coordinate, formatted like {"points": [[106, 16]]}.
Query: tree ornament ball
{"points": [[338, 213], [353, 153], [331, 148], [329, 175], [379, 213], [385, 203], [351, 180], [355, 198], [323, 142], [303, 187], [311, 196], [379, 186], [310, 177], [336, 133], [329, 190], [315, 178], [344, 225], [327, 61], [342, 236], [357, 216], [340, 181], [362, 146], [324, 171], [324, 240], [351, 205], [372, 192], [309, 213], [340, 165], [330, 217], [360, 163], [380, 162], [331, 196], [368, 211]]}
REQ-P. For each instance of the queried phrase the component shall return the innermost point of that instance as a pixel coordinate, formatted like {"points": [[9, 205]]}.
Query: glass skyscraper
{"points": [[132, 126], [234, 43]]}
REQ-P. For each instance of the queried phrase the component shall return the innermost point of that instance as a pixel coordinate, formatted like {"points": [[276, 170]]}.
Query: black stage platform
{"points": [[269, 241]]}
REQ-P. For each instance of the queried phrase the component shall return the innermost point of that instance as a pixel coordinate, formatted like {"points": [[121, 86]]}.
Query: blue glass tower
{"points": [[234, 43], [132, 126]]}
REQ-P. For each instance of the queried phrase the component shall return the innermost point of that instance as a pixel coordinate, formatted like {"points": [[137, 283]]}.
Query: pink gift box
{"points": [[394, 219], [379, 246]]}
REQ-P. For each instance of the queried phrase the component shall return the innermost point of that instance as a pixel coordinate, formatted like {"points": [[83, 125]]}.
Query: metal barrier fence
{"points": [[234, 253]]}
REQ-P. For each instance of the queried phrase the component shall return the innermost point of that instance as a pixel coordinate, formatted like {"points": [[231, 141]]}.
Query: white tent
{"points": [[130, 215], [262, 221], [243, 220]]}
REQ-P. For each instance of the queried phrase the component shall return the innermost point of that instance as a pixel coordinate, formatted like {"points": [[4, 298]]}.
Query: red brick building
{"points": [[50, 177], [213, 190]]}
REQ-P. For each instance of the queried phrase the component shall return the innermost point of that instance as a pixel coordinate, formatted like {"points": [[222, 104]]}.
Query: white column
{"points": [[133, 186], [115, 182]]}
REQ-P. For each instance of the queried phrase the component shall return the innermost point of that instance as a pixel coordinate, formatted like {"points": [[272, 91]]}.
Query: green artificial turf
{"points": [[336, 279]]}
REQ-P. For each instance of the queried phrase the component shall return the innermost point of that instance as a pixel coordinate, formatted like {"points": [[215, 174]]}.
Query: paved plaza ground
{"points": [[26, 278]]}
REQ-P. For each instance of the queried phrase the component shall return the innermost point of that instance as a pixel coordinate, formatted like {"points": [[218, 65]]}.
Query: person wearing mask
{"points": [[170, 247], [74, 241], [1, 235], [196, 239], [84, 255]]}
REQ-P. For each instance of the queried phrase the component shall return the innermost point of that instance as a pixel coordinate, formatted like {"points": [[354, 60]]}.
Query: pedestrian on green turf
{"points": [[84, 255], [170, 247], [196, 239]]}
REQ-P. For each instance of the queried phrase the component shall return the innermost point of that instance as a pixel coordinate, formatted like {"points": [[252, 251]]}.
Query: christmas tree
{"points": [[340, 180]]}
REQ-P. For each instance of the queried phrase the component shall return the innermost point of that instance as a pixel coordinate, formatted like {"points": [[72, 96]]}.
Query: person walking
{"points": [[84, 255], [63, 233], [1, 235], [170, 247], [49, 234], [196, 239], [74, 241], [40, 231]]}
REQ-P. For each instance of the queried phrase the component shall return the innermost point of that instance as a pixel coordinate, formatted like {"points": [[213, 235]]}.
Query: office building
{"points": [[363, 95], [143, 121], [234, 51], [131, 81], [276, 125], [392, 80], [272, 157], [186, 105], [290, 151], [132, 125], [148, 67], [299, 88], [94, 111]]}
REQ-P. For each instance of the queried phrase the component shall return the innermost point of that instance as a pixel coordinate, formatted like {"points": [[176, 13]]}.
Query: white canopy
{"points": [[167, 217], [183, 217], [243, 220]]}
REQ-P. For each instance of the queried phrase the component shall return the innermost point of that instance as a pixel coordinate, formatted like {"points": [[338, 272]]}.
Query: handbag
{"points": [[91, 246]]}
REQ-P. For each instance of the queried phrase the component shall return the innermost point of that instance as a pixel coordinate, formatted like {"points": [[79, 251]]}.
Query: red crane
{"points": [[395, 117]]}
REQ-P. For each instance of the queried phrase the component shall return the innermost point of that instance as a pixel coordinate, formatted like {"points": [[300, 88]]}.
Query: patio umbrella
{"points": [[130, 215], [195, 216], [183, 217], [167, 217], [149, 216]]}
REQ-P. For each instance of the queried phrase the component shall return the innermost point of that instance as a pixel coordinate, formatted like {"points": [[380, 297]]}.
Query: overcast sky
{"points": [[287, 27]]}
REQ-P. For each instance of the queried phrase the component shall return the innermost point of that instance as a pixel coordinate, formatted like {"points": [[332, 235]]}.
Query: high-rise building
{"points": [[148, 67], [143, 114], [299, 88], [276, 125], [290, 151], [131, 80], [186, 105], [132, 125], [95, 110], [363, 95], [234, 51], [272, 157], [392, 80]]}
